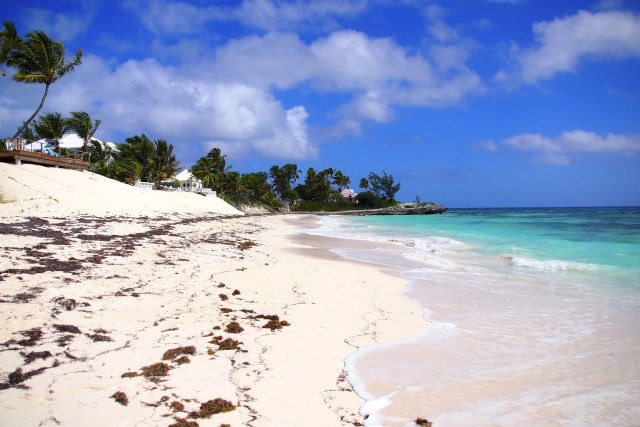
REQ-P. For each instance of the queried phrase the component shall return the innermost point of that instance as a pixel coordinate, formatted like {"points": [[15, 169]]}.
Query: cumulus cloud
{"points": [[563, 43], [564, 149], [228, 94]]}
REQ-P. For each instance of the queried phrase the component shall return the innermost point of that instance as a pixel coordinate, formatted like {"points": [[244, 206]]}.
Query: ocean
{"points": [[532, 317]]}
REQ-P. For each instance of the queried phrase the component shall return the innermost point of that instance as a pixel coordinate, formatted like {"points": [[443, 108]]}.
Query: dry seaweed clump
{"points": [[175, 352], [156, 370], [177, 406], [423, 422], [181, 422], [226, 344], [274, 321], [234, 328], [121, 398], [212, 407]]}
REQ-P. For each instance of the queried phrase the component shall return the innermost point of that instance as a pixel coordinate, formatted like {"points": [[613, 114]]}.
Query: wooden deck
{"points": [[71, 161], [41, 153]]}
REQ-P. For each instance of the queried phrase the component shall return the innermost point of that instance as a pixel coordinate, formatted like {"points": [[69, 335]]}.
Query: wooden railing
{"points": [[45, 149]]}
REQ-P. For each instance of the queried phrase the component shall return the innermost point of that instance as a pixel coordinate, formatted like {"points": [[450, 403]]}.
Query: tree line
{"points": [[37, 59]]}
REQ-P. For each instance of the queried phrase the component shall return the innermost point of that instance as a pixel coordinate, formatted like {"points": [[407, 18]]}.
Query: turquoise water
{"points": [[532, 316]]}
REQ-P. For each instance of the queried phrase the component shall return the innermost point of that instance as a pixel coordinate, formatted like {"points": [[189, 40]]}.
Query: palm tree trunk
{"points": [[35, 113]]}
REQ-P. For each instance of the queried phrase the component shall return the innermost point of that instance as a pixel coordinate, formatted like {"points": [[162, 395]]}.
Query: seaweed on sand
{"points": [[423, 422], [274, 321], [33, 336], [34, 355], [234, 328], [121, 398], [17, 377], [181, 422], [212, 407], [226, 344], [153, 372], [67, 328], [177, 406], [175, 352]]}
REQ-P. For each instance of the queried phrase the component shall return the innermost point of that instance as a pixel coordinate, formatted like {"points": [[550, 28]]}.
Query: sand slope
{"points": [[33, 190]]}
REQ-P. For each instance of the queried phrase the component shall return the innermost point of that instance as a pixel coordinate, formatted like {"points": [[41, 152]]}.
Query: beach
{"points": [[125, 306]]}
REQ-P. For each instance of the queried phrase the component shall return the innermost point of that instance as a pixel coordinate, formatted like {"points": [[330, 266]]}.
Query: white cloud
{"points": [[563, 43], [59, 26], [563, 150], [227, 94], [283, 15]]}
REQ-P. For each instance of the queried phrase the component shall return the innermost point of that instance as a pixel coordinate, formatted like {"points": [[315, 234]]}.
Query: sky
{"points": [[468, 103]]}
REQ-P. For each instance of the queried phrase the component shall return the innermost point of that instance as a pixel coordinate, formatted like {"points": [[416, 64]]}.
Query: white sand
{"points": [[155, 284], [38, 190]]}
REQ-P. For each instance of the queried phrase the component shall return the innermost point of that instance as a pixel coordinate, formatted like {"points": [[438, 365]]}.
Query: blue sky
{"points": [[470, 103]]}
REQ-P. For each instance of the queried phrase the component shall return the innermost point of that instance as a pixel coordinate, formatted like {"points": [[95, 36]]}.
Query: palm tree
{"points": [[204, 170], [283, 177], [165, 164], [101, 157], [9, 40], [141, 149], [341, 180], [81, 123], [38, 59], [51, 126], [364, 183]]}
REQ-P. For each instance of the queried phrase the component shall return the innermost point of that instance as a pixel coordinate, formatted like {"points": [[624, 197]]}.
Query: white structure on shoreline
{"points": [[187, 182], [349, 194]]}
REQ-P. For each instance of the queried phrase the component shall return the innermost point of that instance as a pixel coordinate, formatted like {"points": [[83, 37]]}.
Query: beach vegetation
{"points": [[383, 186], [37, 59], [81, 123], [51, 126], [9, 40], [165, 164], [102, 157]]}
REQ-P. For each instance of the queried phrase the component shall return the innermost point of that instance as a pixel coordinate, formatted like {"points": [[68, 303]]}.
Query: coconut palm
{"points": [[341, 180], [205, 171], [165, 164], [140, 149], [102, 156], [51, 126], [364, 183], [38, 59], [9, 40], [81, 123]]}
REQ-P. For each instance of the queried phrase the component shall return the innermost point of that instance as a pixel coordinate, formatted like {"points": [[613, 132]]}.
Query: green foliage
{"points": [[211, 171], [141, 150], [368, 200], [9, 40], [38, 60], [51, 126], [165, 164], [383, 186], [81, 123], [102, 157]]}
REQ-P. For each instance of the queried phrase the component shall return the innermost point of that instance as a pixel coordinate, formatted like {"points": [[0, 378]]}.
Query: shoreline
{"points": [[94, 304]]}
